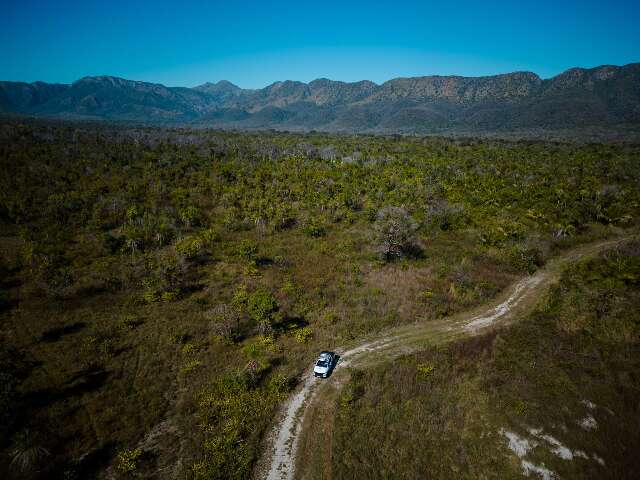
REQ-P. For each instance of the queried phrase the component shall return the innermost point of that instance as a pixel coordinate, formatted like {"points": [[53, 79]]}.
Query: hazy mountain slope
{"points": [[605, 96], [119, 99], [221, 91], [22, 97], [461, 90]]}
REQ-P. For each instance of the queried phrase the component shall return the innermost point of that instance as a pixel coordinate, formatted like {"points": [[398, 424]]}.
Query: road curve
{"points": [[517, 299]]}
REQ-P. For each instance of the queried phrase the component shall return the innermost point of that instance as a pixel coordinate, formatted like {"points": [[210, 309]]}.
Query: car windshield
{"points": [[321, 363]]}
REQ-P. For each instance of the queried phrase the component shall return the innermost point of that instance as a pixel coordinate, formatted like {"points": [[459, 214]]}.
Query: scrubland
{"points": [[163, 289]]}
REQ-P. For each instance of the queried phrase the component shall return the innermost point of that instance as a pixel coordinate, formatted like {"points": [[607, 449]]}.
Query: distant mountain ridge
{"points": [[605, 96]]}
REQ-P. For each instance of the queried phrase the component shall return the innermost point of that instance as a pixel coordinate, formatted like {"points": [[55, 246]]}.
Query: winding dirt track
{"points": [[280, 458]]}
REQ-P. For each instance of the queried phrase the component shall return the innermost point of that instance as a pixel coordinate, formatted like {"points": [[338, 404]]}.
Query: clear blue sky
{"points": [[256, 43]]}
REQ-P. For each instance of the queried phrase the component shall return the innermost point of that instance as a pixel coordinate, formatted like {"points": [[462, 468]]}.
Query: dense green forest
{"points": [[163, 289]]}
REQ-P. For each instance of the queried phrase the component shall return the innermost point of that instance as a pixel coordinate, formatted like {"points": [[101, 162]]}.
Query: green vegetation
{"points": [[128, 460], [566, 376], [162, 290]]}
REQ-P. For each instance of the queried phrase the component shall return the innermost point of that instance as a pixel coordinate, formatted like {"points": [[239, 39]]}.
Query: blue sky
{"points": [[256, 43]]}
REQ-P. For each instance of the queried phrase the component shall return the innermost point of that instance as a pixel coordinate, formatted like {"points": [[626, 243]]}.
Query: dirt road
{"points": [[514, 301]]}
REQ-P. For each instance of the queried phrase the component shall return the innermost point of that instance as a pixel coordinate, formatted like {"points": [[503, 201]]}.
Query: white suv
{"points": [[324, 364]]}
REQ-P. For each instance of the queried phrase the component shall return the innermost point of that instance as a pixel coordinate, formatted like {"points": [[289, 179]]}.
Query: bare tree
{"points": [[443, 214], [224, 320], [328, 153], [394, 232]]}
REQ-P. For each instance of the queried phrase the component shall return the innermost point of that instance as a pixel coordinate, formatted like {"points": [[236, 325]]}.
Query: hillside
{"points": [[606, 98]]}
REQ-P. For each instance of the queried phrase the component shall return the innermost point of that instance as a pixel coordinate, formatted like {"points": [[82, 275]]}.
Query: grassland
{"points": [[162, 290]]}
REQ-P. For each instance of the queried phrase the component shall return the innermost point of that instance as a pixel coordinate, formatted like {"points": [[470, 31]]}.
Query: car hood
{"points": [[320, 369]]}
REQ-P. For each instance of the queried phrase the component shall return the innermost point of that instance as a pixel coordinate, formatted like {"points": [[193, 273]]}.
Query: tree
{"points": [[167, 276], [394, 232], [262, 306]]}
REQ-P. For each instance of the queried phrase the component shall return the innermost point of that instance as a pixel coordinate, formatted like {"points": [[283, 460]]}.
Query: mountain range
{"points": [[602, 97]]}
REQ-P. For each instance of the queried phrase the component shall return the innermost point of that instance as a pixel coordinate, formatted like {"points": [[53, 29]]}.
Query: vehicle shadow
{"points": [[334, 364]]}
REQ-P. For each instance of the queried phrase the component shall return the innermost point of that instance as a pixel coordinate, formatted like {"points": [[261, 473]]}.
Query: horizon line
{"points": [[208, 82]]}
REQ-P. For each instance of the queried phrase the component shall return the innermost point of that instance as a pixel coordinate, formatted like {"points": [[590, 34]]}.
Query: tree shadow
{"points": [[264, 261], [89, 465], [203, 259], [11, 283], [55, 334], [119, 351], [6, 303], [193, 288], [83, 382], [414, 252], [90, 290], [290, 323]]}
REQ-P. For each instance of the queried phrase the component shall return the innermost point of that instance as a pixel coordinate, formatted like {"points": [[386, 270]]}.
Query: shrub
{"points": [[240, 298], [425, 296], [247, 249], [190, 366], [425, 369], [443, 214], [190, 246], [269, 342], [303, 335], [150, 295], [178, 338], [290, 289], [131, 213], [251, 269], [209, 236], [495, 234], [190, 216], [284, 220], [262, 306], [189, 349], [233, 221], [520, 407], [526, 259], [170, 296], [127, 322], [313, 228], [128, 460]]}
